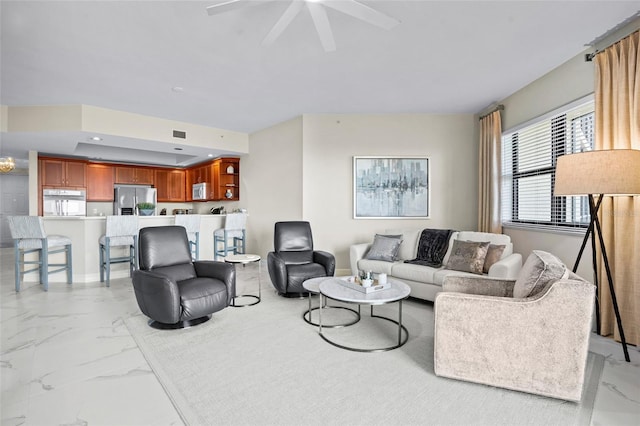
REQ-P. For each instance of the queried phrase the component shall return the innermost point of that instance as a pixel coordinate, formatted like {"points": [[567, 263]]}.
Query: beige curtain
{"points": [[617, 112], [489, 174]]}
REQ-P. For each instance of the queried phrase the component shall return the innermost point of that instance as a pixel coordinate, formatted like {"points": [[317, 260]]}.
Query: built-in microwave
{"points": [[200, 191]]}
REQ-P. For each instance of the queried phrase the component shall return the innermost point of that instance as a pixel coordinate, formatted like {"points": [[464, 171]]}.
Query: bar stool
{"points": [[29, 237], [120, 231], [191, 223], [232, 236]]}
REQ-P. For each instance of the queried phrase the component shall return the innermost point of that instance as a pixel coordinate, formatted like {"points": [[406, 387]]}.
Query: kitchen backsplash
{"points": [[106, 209]]}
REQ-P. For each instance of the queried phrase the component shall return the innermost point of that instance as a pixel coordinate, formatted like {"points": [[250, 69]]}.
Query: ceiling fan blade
{"points": [[362, 12], [227, 6], [292, 11], [323, 28]]}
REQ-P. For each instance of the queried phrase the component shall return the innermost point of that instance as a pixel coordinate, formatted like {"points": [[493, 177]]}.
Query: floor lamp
{"points": [[608, 172]]}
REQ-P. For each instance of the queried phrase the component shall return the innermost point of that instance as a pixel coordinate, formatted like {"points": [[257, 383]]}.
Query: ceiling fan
{"points": [[318, 14]]}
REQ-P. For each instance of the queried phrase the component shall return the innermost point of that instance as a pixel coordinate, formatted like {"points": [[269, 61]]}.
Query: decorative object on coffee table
{"points": [[365, 285], [391, 187]]}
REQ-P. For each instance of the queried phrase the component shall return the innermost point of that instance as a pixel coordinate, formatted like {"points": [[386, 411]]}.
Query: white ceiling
{"points": [[444, 57]]}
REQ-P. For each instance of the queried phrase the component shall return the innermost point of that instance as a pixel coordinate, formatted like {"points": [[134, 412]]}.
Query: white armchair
{"points": [[537, 343]]}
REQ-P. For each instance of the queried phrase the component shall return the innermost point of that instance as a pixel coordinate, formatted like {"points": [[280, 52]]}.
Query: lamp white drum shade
{"points": [[609, 172]]}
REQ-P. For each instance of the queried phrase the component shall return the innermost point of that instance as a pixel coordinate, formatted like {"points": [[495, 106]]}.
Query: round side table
{"points": [[313, 287], [243, 259]]}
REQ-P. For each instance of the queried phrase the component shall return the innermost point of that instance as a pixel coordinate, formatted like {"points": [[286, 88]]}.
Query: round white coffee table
{"points": [[243, 259], [312, 286], [334, 289]]}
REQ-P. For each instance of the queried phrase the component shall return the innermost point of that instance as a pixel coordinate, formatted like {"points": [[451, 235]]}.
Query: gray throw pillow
{"points": [[539, 270], [494, 253], [468, 256], [384, 247]]}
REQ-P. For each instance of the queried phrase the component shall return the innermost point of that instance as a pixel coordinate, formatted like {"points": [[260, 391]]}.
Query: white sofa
{"points": [[425, 281]]}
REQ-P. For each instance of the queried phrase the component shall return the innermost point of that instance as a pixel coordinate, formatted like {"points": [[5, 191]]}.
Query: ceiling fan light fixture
{"points": [[316, 8], [7, 164]]}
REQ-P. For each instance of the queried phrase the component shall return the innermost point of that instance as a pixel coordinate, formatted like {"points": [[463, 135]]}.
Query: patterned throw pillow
{"points": [[539, 269], [494, 253], [384, 247], [468, 256]]}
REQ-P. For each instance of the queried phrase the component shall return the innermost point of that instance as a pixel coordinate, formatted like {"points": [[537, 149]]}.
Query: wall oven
{"points": [[64, 202]]}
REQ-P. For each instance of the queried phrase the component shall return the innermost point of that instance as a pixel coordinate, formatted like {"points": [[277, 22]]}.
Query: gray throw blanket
{"points": [[432, 247]]}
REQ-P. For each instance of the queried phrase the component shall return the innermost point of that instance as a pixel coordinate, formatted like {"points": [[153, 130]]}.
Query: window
{"points": [[529, 155]]}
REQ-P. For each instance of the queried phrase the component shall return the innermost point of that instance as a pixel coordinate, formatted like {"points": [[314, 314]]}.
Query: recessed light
{"points": [[177, 89], [96, 138], [209, 155]]}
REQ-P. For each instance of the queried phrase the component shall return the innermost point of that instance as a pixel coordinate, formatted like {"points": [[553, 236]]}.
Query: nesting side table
{"points": [[313, 287], [243, 259]]}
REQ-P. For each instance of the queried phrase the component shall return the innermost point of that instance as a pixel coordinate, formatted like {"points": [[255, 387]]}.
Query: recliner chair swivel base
{"points": [[180, 324], [293, 295]]}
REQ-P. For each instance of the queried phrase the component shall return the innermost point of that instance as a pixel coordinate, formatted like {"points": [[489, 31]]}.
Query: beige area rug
{"points": [[263, 365]]}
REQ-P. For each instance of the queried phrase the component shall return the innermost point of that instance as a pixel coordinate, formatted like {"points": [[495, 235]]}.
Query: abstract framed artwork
{"points": [[391, 188]]}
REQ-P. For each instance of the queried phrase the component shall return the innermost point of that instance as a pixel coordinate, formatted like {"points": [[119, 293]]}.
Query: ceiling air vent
{"points": [[179, 134]]}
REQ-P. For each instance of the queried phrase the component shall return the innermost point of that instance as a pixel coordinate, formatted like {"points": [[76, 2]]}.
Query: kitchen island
{"points": [[85, 231]]}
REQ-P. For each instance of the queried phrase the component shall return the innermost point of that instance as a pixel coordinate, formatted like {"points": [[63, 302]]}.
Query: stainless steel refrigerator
{"points": [[127, 197]]}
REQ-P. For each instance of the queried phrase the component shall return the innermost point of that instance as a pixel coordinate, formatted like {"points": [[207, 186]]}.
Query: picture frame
{"points": [[395, 187]]}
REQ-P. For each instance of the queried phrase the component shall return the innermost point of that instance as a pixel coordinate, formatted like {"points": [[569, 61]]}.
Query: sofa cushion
{"points": [[539, 269], [409, 271], [497, 239], [468, 256], [384, 247], [494, 253], [452, 238], [409, 243], [375, 266], [440, 274]]}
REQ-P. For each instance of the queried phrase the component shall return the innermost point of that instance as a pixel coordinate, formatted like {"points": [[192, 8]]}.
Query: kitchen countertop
{"points": [[141, 217], [85, 231]]}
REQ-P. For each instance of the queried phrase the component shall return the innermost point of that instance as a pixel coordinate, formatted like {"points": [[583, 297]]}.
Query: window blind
{"points": [[529, 156]]}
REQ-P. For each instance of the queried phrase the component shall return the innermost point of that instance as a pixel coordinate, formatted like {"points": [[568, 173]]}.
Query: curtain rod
{"points": [[588, 57], [497, 108]]}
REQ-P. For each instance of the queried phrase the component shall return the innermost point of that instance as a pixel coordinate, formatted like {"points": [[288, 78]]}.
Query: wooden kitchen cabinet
{"points": [[100, 180], [61, 173], [170, 184], [198, 174], [201, 174], [134, 175], [227, 179], [223, 177]]}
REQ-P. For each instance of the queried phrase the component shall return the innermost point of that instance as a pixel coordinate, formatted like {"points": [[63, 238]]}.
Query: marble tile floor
{"points": [[68, 359]]}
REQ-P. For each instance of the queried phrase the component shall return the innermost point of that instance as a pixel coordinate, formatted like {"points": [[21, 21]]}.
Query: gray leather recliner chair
{"points": [[294, 260], [173, 290]]}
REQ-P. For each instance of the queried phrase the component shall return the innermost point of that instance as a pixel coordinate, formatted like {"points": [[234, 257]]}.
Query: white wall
{"points": [[271, 182], [327, 144], [572, 80]]}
